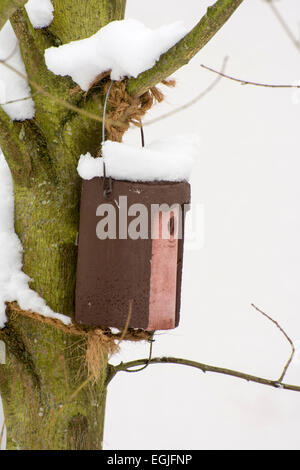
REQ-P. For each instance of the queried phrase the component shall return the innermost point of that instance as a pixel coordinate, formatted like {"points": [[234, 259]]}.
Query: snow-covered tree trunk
{"points": [[48, 401]]}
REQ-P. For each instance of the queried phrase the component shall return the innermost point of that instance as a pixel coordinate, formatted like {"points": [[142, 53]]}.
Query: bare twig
{"points": [[12, 52], [191, 102], [205, 368], [285, 335], [247, 82], [127, 322], [16, 101], [127, 366], [284, 25]]}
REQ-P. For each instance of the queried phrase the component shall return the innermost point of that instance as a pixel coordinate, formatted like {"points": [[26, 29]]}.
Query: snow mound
{"points": [[13, 281], [12, 86], [14, 90], [169, 159], [125, 47], [40, 13]]}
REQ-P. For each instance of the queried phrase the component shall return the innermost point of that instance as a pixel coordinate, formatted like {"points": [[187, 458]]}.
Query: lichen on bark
{"points": [[49, 400]]}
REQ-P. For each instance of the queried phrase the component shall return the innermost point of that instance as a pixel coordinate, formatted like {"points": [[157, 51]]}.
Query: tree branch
{"points": [[184, 50], [247, 82], [32, 44], [285, 335], [13, 149], [127, 366], [284, 25], [191, 102], [25, 149], [60, 101], [7, 8], [123, 367], [74, 20]]}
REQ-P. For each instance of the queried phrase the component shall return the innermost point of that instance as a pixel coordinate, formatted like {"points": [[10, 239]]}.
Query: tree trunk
{"points": [[49, 401]]}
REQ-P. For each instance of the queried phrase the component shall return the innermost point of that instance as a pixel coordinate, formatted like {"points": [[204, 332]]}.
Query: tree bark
{"points": [[7, 8], [49, 400], [45, 403]]}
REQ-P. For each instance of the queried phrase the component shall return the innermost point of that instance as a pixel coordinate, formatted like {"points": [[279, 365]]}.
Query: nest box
{"points": [[130, 250]]}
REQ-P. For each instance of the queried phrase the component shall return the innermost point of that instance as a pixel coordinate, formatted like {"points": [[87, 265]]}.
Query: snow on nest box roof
{"points": [[169, 159], [125, 47]]}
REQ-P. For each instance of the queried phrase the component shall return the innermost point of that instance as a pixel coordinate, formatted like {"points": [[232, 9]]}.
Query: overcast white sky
{"points": [[248, 182]]}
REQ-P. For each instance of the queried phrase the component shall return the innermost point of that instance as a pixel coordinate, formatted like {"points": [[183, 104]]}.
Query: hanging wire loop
{"points": [[107, 181], [151, 340]]}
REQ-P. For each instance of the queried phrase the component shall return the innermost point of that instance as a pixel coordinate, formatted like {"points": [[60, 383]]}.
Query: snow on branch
{"points": [[180, 54], [40, 13], [14, 89], [125, 47], [15, 97]]}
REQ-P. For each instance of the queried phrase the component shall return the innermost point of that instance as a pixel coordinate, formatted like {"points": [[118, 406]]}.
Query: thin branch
{"points": [[191, 102], [285, 335], [7, 9], [127, 366], [123, 334], [32, 44], [16, 101], [12, 51], [246, 82], [204, 368], [180, 54], [284, 25]]}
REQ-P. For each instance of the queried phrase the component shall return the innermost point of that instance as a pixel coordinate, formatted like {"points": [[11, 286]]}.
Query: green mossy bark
{"points": [[7, 8], [49, 401], [45, 404], [45, 366]]}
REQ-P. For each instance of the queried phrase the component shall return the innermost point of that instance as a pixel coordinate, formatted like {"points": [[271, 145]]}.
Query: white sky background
{"points": [[248, 181]]}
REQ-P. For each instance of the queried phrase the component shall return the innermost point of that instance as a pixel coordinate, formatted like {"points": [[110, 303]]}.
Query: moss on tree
{"points": [[49, 400]]}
